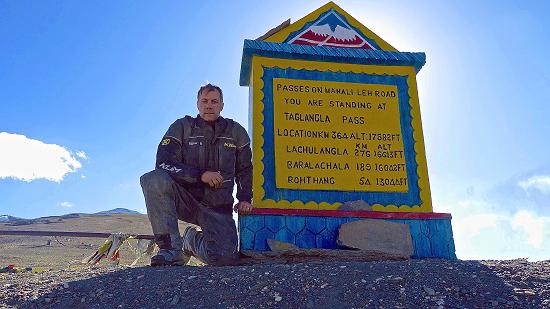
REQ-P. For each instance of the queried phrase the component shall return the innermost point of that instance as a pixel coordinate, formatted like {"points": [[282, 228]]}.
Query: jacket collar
{"points": [[219, 125]]}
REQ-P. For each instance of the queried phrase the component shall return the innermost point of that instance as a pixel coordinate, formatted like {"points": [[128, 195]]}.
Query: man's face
{"points": [[209, 105]]}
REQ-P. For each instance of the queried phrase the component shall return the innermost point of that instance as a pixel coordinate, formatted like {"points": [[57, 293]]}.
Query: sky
{"points": [[88, 89]]}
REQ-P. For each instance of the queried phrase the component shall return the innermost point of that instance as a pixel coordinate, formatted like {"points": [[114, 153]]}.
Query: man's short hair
{"points": [[209, 87]]}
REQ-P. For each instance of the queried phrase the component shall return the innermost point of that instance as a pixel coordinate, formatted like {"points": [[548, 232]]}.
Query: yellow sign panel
{"points": [[338, 136], [268, 147]]}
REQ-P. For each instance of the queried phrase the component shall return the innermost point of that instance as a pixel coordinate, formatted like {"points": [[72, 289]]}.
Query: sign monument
{"points": [[335, 118]]}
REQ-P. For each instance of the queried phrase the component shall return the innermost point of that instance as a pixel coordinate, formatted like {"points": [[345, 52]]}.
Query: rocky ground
{"points": [[263, 283], [427, 283]]}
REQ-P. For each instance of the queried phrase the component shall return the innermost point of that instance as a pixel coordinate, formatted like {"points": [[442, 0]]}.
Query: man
{"points": [[198, 161]]}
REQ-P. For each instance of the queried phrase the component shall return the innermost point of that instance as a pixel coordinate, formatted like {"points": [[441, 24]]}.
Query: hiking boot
{"points": [[167, 257]]}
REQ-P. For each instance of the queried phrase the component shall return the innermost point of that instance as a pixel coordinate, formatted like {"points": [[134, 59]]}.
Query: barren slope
{"points": [[60, 252]]}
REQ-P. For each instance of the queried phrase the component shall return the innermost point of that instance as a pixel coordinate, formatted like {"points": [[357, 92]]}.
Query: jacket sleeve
{"points": [[243, 165], [170, 157]]}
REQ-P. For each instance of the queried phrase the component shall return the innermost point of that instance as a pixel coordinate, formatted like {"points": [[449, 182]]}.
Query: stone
{"points": [[355, 205], [280, 246], [376, 235], [175, 300], [526, 292], [429, 291], [308, 255]]}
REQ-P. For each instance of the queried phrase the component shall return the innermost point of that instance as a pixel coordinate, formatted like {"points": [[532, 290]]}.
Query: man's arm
{"points": [[170, 157], [244, 181], [243, 166]]}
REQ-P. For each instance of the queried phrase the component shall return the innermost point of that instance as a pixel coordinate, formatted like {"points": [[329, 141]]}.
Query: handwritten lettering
{"points": [[330, 135], [306, 165], [307, 117], [335, 151]]}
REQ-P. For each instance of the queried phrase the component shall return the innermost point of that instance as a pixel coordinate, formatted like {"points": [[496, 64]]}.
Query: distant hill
{"points": [[6, 218], [11, 220], [118, 211]]}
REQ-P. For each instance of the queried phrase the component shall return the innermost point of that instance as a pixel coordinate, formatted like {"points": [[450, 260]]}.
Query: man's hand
{"points": [[243, 208], [213, 179]]}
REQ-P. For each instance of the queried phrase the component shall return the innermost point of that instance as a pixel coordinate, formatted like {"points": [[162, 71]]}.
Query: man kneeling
{"points": [[198, 161]]}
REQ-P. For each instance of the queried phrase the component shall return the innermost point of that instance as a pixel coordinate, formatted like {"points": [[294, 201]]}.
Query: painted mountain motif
{"points": [[331, 29]]}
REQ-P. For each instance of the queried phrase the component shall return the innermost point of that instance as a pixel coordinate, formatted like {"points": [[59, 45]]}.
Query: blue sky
{"points": [[87, 90]]}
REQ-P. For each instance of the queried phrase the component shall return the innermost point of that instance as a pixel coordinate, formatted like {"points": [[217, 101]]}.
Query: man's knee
{"points": [[222, 260], [216, 252], [156, 180], [219, 256]]}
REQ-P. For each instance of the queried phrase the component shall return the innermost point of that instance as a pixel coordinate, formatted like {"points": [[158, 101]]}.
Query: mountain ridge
{"points": [[8, 218]]}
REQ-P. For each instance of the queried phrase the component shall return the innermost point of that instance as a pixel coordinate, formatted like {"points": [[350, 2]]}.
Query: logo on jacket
{"points": [[229, 145], [169, 168], [165, 141]]}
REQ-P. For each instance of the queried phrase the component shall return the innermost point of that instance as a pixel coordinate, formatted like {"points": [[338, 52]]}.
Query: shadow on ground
{"points": [[423, 283]]}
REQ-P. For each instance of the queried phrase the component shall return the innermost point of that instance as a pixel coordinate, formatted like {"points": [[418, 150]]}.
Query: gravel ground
{"points": [[62, 252], [428, 283]]}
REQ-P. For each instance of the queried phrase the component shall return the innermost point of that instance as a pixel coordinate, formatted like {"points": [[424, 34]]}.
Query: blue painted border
{"points": [[412, 197], [307, 25], [253, 48]]}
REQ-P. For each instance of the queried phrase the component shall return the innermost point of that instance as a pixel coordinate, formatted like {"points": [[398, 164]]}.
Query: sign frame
{"points": [[263, 198]]}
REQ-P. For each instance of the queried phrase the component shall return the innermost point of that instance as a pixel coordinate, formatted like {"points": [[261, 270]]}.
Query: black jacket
{"points": [[191, 146]]}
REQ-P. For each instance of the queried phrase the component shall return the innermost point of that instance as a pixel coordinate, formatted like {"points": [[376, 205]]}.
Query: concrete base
{"points": [[431, 237]]}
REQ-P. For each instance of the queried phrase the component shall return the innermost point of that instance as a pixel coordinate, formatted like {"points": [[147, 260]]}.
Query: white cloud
{"points": [[541, 183], [532, 225], [81, 154], [500, 236], [484, 229], [66, 204], [29, 159], [471, 226]]}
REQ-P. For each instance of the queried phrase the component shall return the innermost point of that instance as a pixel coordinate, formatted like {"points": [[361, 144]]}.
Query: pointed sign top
{"points": [[330, 26]]}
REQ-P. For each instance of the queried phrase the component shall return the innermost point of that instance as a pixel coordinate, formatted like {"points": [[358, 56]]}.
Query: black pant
{"points": [[167, 201]]}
